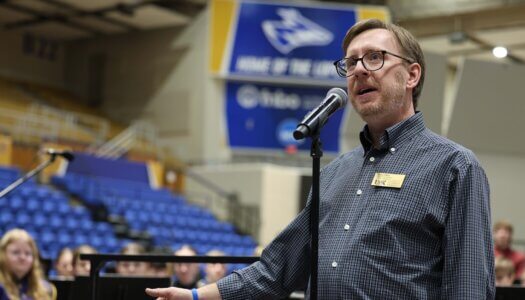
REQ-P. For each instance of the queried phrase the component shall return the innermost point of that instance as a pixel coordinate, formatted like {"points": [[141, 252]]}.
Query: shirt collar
{"points": [[395, 135]]}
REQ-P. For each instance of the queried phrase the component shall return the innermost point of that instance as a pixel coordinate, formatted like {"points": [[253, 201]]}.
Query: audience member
{"points": [[21, 275], [161, 269], [64, 263], [213, 271], [186, 274], [132, 268], [503, 246], [82, 267], [504, 272]]}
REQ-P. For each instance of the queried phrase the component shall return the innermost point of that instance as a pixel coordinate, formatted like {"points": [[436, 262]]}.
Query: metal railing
{"points": [[226, 205], [140, 133], [35, 126]]}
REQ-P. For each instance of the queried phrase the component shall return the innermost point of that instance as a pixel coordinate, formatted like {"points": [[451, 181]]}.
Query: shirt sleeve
{"points": [[283, 267], [468, 269]]}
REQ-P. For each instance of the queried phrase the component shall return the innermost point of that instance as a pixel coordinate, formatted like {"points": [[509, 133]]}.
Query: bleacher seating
{"points": [[49, 217], [168, 219]]}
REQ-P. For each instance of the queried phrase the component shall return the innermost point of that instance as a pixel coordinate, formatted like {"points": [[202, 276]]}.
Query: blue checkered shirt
{"points": [[429, 239]]}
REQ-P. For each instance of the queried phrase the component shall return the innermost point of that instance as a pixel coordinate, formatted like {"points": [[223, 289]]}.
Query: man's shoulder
{"points": [[449, 148], [341, 160]]}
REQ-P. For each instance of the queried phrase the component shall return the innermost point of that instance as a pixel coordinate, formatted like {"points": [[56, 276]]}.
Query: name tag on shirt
{"points": [[388, 180]]}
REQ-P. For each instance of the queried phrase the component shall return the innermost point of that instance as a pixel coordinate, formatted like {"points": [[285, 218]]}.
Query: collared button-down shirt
{"points": [[428, 239]]}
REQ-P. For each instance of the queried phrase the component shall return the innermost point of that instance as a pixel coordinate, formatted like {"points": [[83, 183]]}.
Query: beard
{"points": [[391, 99]]}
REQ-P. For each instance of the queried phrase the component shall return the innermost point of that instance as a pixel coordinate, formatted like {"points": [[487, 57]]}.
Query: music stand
{"points": [[117, 287]]}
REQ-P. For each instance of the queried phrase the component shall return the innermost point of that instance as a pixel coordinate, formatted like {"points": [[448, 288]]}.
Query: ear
{"points": [[414, 74]]}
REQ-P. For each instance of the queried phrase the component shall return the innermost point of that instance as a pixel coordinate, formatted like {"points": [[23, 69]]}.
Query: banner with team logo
{"points": [[253, 40], [263, 116]]}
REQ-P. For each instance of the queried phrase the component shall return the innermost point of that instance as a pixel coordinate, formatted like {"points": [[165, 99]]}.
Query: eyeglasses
{"points": [[372, 61]]}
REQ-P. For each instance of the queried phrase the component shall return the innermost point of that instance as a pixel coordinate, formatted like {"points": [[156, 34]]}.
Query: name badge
{"points": [[388, 180]]}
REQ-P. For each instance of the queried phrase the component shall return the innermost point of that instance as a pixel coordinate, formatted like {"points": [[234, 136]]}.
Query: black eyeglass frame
{"points": [[383, 52]]}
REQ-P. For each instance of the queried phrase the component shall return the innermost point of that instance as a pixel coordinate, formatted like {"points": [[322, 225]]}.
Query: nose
{"points": [[360, 69]]}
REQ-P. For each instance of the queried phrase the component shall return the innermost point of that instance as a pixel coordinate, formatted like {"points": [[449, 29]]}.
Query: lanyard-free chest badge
{"points": [[388, 180]]}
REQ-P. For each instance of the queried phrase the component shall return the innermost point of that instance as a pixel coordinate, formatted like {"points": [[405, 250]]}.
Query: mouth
{"points": [[364, 91]]}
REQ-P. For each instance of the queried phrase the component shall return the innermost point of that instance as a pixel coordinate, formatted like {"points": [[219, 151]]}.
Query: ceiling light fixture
{"points": [[500, 52]]}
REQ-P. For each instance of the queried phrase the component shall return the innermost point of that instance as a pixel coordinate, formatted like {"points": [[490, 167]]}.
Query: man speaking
{"points": [[403, 216]]}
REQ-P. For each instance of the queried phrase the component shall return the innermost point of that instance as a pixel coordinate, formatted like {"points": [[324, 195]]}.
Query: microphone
{"points": [[65, 154], [315, 120]]}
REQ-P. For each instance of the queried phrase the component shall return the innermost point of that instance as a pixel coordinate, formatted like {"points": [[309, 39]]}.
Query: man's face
{"points": [[502, 238], [384, 89], [19, 258]]}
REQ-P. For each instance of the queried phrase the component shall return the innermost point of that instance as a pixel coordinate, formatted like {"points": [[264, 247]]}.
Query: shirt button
{"points": [[359, 192], [334, 264], [392, 150], [372, 159], [347, 227]]}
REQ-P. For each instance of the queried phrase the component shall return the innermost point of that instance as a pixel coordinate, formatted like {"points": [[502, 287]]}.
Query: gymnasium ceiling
{"points": [[455, 28]]}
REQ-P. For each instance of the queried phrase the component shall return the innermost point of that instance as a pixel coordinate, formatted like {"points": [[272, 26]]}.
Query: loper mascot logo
{"points": [[294, 31]]}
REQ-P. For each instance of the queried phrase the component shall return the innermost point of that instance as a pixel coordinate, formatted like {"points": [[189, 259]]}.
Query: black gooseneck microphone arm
{"points": [[38, 169]]}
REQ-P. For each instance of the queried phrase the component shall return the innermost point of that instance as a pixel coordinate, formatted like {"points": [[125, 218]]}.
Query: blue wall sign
{"points": [[265, 116]]}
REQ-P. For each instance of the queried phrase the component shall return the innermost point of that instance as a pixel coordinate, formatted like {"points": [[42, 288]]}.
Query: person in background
{"points": [[505, 274], [133, 268], [64, 263], [82, 267], [502, 234], [21, 275], [213, 272], [161, 269], [186, 274]]}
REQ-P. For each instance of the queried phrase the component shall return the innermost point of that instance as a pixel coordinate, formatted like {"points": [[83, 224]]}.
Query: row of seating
{"points": [[168, 219], [49, 217]]}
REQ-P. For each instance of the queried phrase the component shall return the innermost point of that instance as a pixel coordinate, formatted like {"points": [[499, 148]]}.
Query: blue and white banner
{"points": [[265, 116], [289, 41]]}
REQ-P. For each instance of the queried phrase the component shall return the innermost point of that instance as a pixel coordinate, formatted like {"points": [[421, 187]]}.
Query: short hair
{"points": [[406, 41], [133, 248], [215, 252], [503, 224], [188, 247]]}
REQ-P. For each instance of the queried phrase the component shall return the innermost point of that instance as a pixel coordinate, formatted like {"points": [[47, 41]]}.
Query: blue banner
{"points": [[298, 42], [265, 116]]}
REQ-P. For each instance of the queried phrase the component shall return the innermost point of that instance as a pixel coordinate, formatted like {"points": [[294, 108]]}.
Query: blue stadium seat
{"points": [[64, 239], [16, 203], [80, 239], [40, 220], [22, 219], [49, 207], [56, 222], [47, 237], [6, 217], [32, 204]]}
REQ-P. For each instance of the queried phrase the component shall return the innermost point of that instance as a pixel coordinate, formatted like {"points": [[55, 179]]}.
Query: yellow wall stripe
{"points": [[364, 13], [220, 23]]}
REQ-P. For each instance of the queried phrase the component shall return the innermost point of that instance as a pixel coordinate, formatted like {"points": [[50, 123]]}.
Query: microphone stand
{"points": [[316, 152], [28, 175]]}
